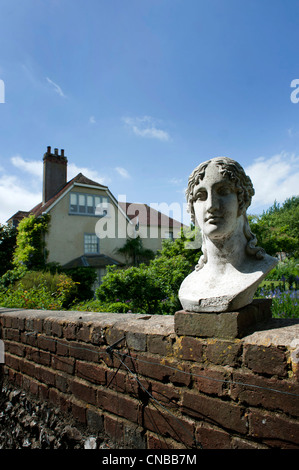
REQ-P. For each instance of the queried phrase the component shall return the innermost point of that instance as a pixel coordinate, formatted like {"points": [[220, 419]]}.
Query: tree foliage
{"points": [[8, 236], [30, 244], [277, 228], [134, 252]]}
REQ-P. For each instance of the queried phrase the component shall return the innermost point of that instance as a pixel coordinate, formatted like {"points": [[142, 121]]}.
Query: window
{"points": [[88, 204], [91, 243], [169, 235]]}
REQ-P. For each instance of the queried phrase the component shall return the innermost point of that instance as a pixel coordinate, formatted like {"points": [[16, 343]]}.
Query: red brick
{"points": [[158, 344], [65, 364], [210, 380], [70, 331], [155, 442], [13, 335], [216, 411], [83, 391], [46, 375], [60, 400], [117, 380], [273, 429], [17, 349], [43, 391], [120, 405], [84, 352], [165, 393], [79, 411], [169, 425], [62, 348], [167, 371], [189, 349], [6, 321], [61, 382], [114, 428], [29, 368], [84, 333], [56, 329], [92, 372], [265, 359], [222, 352], [212, 438], [271, 393], [38, 356], [48, 344]]}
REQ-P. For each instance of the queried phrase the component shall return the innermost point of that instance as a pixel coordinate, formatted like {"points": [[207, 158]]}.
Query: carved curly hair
{"points": [[244, 189]]}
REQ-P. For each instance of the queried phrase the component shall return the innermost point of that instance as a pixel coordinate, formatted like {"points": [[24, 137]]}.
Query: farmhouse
{"points": [[88, 225]]}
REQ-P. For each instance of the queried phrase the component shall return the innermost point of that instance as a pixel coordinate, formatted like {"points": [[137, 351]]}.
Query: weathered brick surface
{"points": [[274, 429], [156, 389], [208, 409], [266, 359]]}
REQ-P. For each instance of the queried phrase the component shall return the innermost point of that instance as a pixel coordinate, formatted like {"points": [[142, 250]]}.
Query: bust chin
{"points": [[232, 266]]}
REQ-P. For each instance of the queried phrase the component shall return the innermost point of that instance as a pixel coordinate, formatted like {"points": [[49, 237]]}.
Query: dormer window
{"points": [[88, 204]]}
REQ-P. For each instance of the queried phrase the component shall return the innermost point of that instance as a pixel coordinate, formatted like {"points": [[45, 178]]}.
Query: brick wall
{"points": [[162, 390]]}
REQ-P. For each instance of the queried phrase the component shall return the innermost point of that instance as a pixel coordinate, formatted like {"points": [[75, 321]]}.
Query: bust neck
{"points": [[226, 252]]}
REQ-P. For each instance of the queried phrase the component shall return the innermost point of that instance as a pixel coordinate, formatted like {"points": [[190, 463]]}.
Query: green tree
{"points": [[30, 244], [8, 236], [277, 228], [134, 252]]}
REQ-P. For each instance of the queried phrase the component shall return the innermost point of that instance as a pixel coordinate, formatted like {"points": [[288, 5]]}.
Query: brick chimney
{"points": [[55, 173]]}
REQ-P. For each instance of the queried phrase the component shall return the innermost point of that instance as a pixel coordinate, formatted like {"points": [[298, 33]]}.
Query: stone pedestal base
{"points": [[226, 325]]}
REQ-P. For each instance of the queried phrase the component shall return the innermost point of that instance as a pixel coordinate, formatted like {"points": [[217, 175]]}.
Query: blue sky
{"points": [[139, 92]]}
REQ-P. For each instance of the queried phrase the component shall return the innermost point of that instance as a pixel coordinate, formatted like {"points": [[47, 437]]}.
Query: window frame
{"points": [[77, 208], [86, 243]]}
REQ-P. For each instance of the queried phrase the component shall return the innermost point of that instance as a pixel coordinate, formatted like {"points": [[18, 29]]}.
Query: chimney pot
{"points": [[55, 173]]}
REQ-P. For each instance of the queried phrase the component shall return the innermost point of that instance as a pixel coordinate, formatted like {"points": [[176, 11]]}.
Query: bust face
{"points": [[216, 204]]}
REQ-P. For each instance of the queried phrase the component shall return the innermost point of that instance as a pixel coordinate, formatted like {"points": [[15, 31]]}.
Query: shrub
{"points": [[136, 285], [40, 290], [85, 277]]}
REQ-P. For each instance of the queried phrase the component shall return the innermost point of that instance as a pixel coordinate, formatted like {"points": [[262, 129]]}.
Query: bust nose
{"points": [[212, 201]]}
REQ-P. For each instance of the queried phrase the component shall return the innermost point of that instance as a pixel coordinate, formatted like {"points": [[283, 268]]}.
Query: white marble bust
{"points": [[232, 266]]}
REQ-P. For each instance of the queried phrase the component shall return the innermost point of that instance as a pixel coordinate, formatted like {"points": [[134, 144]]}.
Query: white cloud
{"points": [[92, 120], [33, 167], [122, 172], [273, 178], [14, 196], [73, 170], [146, 127], [56, 87]]}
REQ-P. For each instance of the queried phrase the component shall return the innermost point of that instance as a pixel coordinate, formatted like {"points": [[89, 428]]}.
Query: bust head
{"points": [[232, 266], [218, 195]]}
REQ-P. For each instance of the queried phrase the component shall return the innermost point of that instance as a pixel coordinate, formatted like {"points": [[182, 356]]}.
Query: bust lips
{"points": [[213, 219]]}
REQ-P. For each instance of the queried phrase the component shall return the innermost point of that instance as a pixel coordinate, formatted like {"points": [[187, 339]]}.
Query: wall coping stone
{"points": [[275, 331]]}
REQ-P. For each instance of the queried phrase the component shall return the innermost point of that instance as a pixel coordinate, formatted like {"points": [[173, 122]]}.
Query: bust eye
{"points": [[201, 196], [224, 190]]}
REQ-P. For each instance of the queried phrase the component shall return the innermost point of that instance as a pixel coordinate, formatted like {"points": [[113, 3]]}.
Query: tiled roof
{"points": [[148, 216], [94, 261]]}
